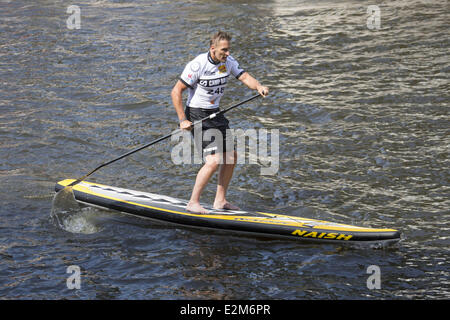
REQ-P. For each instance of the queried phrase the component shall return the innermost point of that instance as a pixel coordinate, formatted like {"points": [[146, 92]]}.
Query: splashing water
{"points": [[70, 216]]}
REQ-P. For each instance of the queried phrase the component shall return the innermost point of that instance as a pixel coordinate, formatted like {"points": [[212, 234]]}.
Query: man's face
{"points": [[221, 50]]}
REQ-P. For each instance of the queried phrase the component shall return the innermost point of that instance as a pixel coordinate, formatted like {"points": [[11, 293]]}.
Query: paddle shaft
{"points": [[211, 116]]}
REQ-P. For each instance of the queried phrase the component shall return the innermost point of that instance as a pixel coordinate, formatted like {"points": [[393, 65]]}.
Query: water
{"points": [[363, 120]]}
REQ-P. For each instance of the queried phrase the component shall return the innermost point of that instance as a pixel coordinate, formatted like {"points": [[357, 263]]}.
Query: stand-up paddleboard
{"points": [[173, 210]]}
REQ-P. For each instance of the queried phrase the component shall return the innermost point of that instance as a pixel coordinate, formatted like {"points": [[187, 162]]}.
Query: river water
{"points": [[361, 106]]}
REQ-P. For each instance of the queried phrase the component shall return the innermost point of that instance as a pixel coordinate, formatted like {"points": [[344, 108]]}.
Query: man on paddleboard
{"points": [[205, 77]]}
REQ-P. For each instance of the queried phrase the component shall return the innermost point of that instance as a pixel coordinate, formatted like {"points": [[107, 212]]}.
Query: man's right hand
{"points": [[185, 125]]}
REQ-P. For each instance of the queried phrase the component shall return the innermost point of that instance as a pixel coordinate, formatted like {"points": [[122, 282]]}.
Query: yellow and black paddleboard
{"points": [[173, 210]]}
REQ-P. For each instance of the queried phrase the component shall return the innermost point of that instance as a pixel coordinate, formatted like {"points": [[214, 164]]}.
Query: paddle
{"points": [[64, 202], [161, 139]]}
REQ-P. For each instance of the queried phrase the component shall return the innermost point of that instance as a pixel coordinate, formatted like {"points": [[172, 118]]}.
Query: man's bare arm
{"points": [[177, 101], [253, 84]]}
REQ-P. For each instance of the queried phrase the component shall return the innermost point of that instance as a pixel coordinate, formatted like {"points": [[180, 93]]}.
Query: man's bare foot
{"points": [[196, 208], [225, 205]]}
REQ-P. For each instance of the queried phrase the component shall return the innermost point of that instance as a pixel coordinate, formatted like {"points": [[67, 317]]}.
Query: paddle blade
{"points": [[67, 213], [64, 204], [64, 200]]}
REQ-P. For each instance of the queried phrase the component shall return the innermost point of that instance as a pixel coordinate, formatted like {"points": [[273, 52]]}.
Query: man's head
{"points": [[219, 46]]}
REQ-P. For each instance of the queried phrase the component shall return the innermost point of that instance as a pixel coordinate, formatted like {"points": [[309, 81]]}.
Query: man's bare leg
{"points": [[225, 174], [203, 176]]}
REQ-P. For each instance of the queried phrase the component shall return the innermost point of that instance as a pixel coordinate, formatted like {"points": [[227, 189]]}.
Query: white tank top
{"points": [[206, 80]]}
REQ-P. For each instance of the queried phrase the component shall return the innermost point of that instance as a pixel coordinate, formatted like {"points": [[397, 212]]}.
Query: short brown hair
{"points": [[219, 36]]}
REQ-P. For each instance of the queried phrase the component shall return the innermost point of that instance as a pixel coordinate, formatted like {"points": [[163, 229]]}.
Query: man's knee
{"points": [[213, 161], [230, 157]]}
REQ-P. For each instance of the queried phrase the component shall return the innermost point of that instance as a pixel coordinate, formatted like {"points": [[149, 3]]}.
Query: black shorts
{"points": [[216, 136]]}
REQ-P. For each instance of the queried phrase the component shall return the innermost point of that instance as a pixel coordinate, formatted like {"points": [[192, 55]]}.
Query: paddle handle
{"points": [[213, 115]]}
